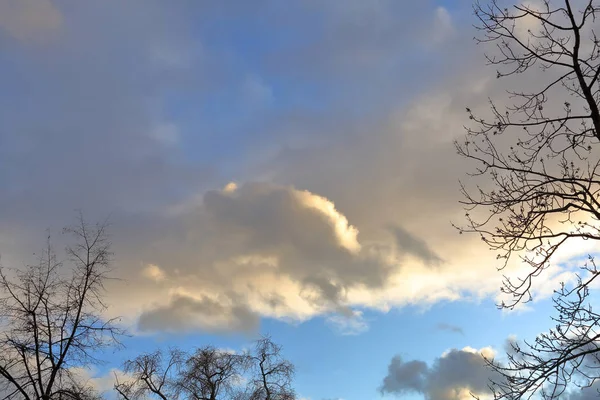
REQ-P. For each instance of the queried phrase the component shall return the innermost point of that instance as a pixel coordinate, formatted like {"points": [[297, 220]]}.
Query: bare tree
{"points": [[539, 185], [272, 374], [152, 374], [211, 374], [51, 319]]}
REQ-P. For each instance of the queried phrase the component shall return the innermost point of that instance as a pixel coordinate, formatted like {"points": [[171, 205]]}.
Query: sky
{"points": [[269, 167]]}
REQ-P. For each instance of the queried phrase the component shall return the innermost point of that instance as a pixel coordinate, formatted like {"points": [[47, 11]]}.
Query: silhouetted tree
{"points": [[51, 319], [211, 374], [271, 373], [539, 183]]}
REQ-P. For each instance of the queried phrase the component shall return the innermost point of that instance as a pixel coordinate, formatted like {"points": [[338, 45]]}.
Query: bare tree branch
{"points": [[51, 318]]}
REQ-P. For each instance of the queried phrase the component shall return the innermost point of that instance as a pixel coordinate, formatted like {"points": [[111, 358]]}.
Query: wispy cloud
{"points": [[442, 326]]}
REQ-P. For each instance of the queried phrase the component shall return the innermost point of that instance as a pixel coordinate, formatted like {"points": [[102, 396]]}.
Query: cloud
{"points": [[283, 253], [405, 376], [443, 27], [100, 383], [186, 313], [450, 328], [269, 214], [454, 375], [152, 271], [30, 20], [348, 325], [414, 246], [287, 253], [293, 226], [166, 134]]}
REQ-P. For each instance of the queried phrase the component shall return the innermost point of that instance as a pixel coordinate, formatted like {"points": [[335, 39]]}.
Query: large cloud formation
{"points": [[340, 144], [260, 248]]}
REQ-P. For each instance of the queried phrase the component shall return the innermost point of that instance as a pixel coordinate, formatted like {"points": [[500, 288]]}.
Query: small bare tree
{"points": [[539, 180], [272, 374], [51, 319]]}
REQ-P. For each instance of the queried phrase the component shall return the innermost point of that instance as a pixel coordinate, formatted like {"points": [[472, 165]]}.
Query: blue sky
{"points": [[289, 162]]}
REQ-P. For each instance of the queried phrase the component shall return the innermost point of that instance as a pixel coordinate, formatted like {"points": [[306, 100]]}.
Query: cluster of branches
{"points": [[537, 180], [562, 360], [210, 374], [538, 157]]}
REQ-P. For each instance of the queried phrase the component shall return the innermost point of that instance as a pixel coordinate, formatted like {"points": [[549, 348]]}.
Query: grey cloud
{"points": [[455, 371], [329, 292], [415, 246], [459, 369], [405, 377], [271, 219], [450, 328], [265, 217], [184, 313]]}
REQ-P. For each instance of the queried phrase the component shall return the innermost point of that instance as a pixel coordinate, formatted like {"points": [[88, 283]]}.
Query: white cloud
{"points": [[348, 325], [230, 187], [101, 383], [154, 272], [346, 234]]}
